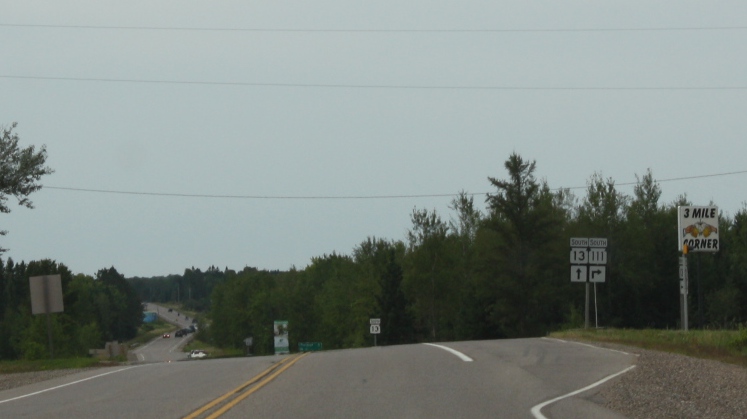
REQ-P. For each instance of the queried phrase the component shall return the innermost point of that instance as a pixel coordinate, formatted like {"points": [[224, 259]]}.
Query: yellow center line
{"points": [[256, 378], [236, 401]]}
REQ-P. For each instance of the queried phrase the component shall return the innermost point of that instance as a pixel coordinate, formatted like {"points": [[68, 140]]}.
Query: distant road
{"points": [[164, 349], [479, 379]]}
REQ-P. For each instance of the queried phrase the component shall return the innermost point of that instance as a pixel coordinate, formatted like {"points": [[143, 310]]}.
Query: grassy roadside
{"points": [[150, 331], [213, 352], [728, 346], [10, 367], [146, 333]]}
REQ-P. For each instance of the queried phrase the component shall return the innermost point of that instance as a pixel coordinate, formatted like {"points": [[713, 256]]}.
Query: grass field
{"points": [[150, 331], [146, 333], [722, 345], [212, 351], [9, 367]]}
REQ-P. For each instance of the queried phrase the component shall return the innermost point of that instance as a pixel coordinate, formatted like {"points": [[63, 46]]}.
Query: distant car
{"points": [[166, 335], [170, 310], [179, 333], [197, 353]]}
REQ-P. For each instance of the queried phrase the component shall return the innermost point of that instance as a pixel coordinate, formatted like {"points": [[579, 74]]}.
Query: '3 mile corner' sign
{"points": [[697, 227]]}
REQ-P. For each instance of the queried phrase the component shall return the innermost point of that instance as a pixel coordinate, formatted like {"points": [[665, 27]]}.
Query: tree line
{"points": [[96, 310], [501, 273], [498, 273]]}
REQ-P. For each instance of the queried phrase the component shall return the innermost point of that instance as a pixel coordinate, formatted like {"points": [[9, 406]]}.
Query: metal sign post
{"points": [[375, 328], [588, 260], [683, 289], [697, 231], [46, 298]]}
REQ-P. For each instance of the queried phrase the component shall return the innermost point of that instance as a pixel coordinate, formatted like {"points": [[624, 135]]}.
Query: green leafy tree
{"points": [[20, 170], [645, 290], [602, 213], [429, 281], [735, 260], [120, 305], [344, 302], [396, 322]]}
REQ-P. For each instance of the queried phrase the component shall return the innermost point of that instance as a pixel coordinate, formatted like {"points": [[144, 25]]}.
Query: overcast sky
{"points": [[263, 109]]}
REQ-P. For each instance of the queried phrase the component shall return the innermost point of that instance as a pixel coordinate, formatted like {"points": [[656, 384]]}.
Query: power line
{"points": [[310, 30], [375, 86], [349, 197], [278, 197]]}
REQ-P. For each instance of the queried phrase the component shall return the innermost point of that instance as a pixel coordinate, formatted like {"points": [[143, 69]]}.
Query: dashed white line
{"points": [[461, 356]]}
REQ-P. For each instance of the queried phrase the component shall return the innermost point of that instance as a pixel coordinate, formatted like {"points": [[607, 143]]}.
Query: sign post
{"points": [[588, 260], [46, 298], [280, 330], [375, 328], [683, 288], [697, 231]]}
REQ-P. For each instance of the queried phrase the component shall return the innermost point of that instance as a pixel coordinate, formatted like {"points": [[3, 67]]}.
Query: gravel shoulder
{"points": [[19, 379], [665, 385]]}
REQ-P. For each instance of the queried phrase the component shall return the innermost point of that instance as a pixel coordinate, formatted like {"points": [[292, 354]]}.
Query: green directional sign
{"points": [[309, 346]]}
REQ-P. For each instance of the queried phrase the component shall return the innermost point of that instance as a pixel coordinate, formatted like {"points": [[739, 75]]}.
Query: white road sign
{"points": [[375, 329], [597, 273], [579, 255], [579, 242], [598, 256], [597, 242], [579, 273], [588, 257], [375, 321]]}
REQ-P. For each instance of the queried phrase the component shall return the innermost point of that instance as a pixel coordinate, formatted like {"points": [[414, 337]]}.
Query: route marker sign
{"points": [[587, 254], [598, 256], [375, 329], [588, 260]]}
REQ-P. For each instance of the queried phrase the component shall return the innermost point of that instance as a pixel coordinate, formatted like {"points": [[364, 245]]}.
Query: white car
{"points": [[197, 353]]}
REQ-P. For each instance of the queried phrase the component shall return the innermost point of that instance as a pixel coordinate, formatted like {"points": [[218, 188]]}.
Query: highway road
{"points": [[523, 378], [164, 349]]}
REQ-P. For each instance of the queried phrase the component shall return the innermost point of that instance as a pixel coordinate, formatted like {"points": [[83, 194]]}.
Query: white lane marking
{"points": [[461, 356], [536, 409], [586, 344], [149, 343], [68, 384], [176, 346]]}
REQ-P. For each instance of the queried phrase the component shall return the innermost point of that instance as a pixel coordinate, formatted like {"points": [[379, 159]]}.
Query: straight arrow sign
{"points": [[579, 273]]}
